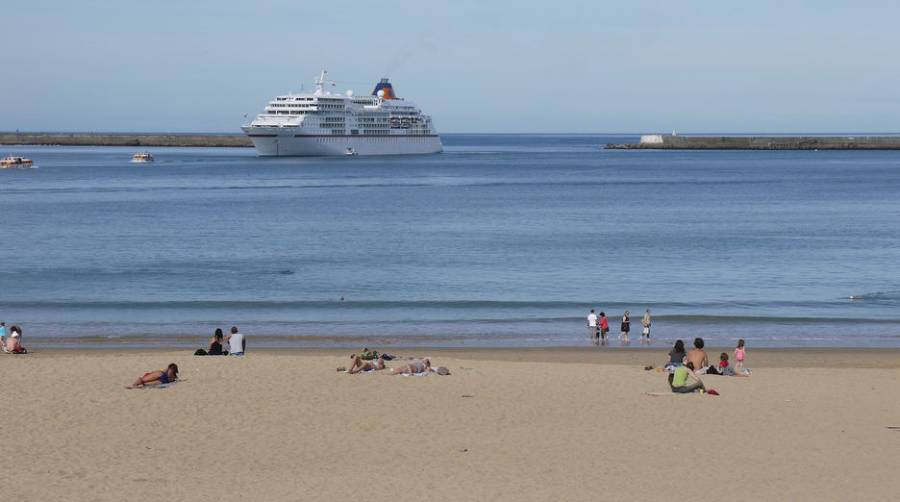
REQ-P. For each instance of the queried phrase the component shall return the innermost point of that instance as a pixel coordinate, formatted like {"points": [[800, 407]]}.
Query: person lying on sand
{"points": [[160, 377], [412, 367], [360, 365]]}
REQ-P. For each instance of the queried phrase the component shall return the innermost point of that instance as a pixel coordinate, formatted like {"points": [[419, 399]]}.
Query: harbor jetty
{"points": [[677, 142], [112, 139]]}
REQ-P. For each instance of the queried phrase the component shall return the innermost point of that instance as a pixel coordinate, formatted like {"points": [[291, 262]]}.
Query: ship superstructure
{"points": [[325, 123]]}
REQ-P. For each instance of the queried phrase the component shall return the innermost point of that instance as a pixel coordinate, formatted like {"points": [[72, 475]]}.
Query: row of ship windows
{"points": [[290, 98], [373, 132], [377, 139], [307, 107], [300, 107]]}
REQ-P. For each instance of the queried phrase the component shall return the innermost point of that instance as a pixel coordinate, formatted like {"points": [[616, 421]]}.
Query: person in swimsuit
{"points": [[626, 326], [645, 332], [739, 355], [160, 377], [360, 364], [698, 356], [413, 367]]}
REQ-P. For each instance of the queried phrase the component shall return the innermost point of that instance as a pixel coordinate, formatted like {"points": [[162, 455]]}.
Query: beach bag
{"points": [[200, 352]]}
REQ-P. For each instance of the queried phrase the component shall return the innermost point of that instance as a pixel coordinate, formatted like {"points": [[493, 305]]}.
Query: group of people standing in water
{"points": [[598, 327]]}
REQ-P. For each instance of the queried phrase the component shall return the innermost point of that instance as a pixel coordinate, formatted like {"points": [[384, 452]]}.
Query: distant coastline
{"points": [[676, 142], [646, 142], [138, 140]]}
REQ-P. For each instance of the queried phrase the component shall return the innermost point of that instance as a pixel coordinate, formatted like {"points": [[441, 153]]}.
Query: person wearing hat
{"points": [[237, 344]]}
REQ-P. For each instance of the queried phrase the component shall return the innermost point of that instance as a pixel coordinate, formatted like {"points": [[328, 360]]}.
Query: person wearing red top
{"points": [[604, 326], [724, 368]]}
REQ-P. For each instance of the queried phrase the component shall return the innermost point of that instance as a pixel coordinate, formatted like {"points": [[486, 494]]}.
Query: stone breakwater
{"points": [[137, 140], [670, 142]]}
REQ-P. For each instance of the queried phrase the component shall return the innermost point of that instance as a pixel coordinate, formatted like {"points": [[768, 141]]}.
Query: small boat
{"points": [[350, 152], [14, 161], [142, 158]]}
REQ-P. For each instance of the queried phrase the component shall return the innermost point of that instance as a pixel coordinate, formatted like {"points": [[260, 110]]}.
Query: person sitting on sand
{"points": [[14, 342], [160, 377], [725, 369], [676, 356], [684, 381], [697, 356], [215, 344], [359, 365], [413, 367], [236, 342]]}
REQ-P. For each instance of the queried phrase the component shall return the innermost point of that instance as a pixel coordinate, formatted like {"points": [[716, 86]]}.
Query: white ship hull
{"points": [[296, 145], [326, 124]]}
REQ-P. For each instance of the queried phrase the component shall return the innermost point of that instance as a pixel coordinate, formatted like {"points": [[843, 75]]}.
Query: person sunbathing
{"points": [[413, 367], [160, 377], [360, 365]]}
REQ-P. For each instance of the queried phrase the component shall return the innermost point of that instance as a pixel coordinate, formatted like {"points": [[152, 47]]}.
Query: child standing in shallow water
{"points": [[739, 355]]}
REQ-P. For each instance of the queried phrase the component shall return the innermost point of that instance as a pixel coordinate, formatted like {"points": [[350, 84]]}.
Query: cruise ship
{"points": [[324, 123]]}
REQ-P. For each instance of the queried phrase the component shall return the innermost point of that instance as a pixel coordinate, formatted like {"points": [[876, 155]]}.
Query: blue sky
{"points": [[501, 66]]}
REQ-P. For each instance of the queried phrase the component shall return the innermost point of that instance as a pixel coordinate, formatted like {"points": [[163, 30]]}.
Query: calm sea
{"points": [[502, 240]]}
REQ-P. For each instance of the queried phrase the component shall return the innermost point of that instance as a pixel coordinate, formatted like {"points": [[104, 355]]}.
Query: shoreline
{"points": [[823, 357]]}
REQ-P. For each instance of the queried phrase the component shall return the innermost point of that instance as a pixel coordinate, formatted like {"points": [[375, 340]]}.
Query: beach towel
{"points": [[160, 386]]}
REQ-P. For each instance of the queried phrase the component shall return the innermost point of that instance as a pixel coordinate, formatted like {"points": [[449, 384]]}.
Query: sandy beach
{"points": [[543, 424]]}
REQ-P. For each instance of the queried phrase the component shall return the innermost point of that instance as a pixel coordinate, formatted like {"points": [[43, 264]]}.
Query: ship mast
{"points": [[320, 83]]}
